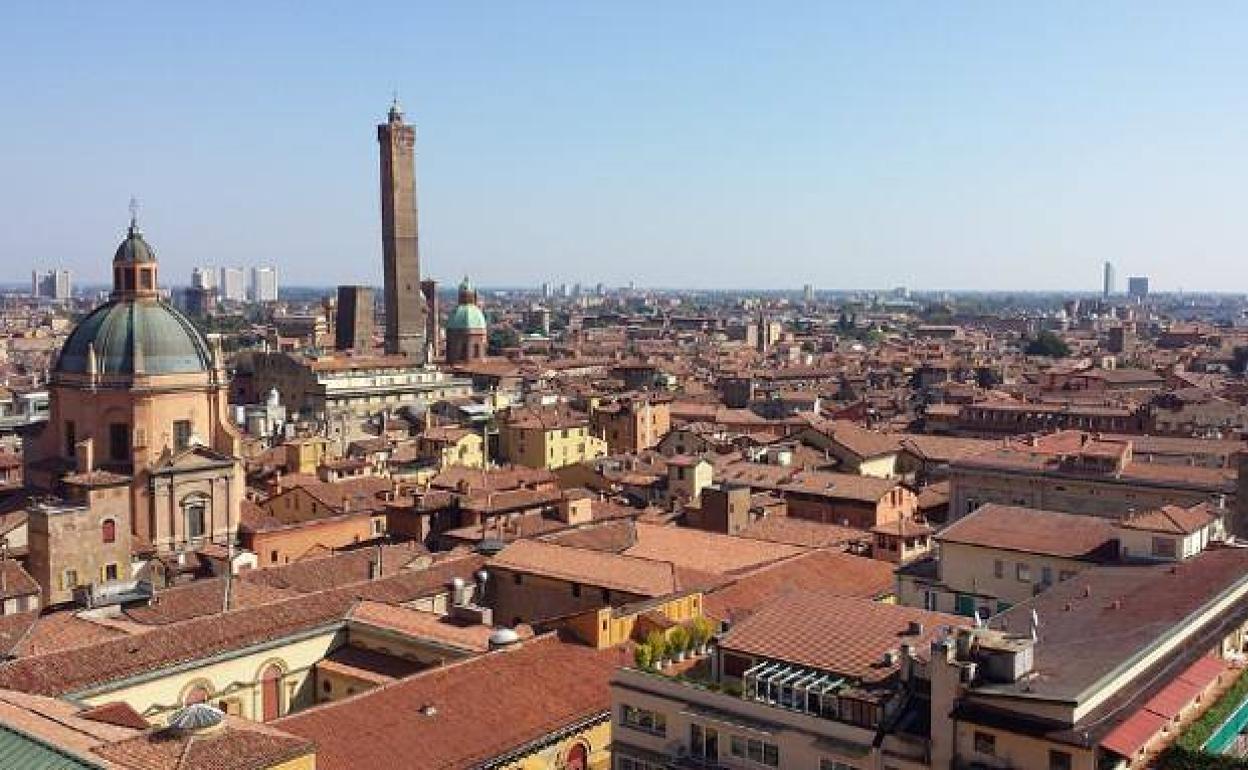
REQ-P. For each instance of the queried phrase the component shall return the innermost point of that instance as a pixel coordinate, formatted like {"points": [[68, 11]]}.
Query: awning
{"points": [[1134, 734]]}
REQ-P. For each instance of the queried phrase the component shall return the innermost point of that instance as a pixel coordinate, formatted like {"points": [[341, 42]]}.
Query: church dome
{"points": [[133, 248], [466, 318], [135, 336]]}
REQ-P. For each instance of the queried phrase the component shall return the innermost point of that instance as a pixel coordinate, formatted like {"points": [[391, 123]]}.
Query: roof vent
{"points": [[502, 638], [429, 710], [915, 628]]}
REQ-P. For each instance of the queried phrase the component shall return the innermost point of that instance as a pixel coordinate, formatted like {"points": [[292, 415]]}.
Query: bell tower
{"points": [[400, 240]]}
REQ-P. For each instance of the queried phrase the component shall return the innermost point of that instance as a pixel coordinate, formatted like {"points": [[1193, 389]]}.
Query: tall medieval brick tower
{"points": [[405, 303]]}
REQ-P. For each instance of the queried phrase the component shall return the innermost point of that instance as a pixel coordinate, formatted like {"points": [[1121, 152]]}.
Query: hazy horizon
{"points": [[997, 147]]}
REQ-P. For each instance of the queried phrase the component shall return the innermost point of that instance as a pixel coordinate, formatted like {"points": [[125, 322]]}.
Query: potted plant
{"points": [[643, 656], [658, 648], [700, 632], [679, 640]]}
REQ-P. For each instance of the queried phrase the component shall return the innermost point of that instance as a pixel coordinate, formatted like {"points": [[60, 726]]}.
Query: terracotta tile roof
{"points": [[1030, 530], [828, 572], [85, 667], [839, 486], [339, 569], [116, 713], [240, 745], [858, 440], [15, 581], [1171, 519], [612, 536], [29, 633], [203, 597], [802, 532], [839, 634], [642, 577], [463, 714], [706, 551], [57, 722], [373, 666], [1107, 614], [421, 625]]}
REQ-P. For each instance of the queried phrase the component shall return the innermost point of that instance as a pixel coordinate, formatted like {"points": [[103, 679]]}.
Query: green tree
{"points": [[1047, 344]]}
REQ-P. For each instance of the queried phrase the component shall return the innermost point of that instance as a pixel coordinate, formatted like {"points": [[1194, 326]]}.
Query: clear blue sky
{"points": [[719, 144]]}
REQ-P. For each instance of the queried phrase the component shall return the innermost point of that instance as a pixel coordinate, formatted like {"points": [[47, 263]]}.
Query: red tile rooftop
{"points": [[463, 714], [837, 634], [1030, 530], [828, 572]]}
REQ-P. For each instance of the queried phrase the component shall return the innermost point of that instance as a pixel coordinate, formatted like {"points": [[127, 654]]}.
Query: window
{"points": [[931, 601], [110, 572], [119, 442], [69, 580], [632, 763], [273, 557], [704, 742], [196, 511], [1065, 575], [71, 439], [998, 568], [985, 743], [1060, 760], [1164, 548], [108, 531], [1046, 576], [576, 589], [517, 578], [181, 434], [1022, 571], [834, 764], [645, 720]]}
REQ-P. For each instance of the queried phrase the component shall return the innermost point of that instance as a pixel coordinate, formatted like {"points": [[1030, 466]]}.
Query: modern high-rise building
{"points": [[1137, 287], [808, 294], [204, 278], [51, 284], [1108, 288], [353, 329], [400, 241], [233, 287], [264, 284]]}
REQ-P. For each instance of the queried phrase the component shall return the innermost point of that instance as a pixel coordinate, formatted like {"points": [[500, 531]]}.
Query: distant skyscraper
{"points": [[808, 294], [204, 278], [1137, 287], [400, 238], [233, 287], [353, 328], [1108, 287], [264, 284], [546, 290], [51, 284]]}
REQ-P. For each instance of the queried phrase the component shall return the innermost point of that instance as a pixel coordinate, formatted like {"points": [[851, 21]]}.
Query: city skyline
{"points": [[977, 148]]}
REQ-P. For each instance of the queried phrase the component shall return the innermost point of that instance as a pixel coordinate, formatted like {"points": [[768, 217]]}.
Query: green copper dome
{"points": [[133, 248], [135, 336], [466, 318]]}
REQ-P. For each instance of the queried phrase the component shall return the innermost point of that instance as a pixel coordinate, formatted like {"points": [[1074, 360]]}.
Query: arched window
{"points": [[271, 692], [109, 531], [197, 694], [578, 758]]}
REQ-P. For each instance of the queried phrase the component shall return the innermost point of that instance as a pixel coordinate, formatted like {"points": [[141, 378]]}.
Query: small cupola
{"points": [[134, 263]]}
